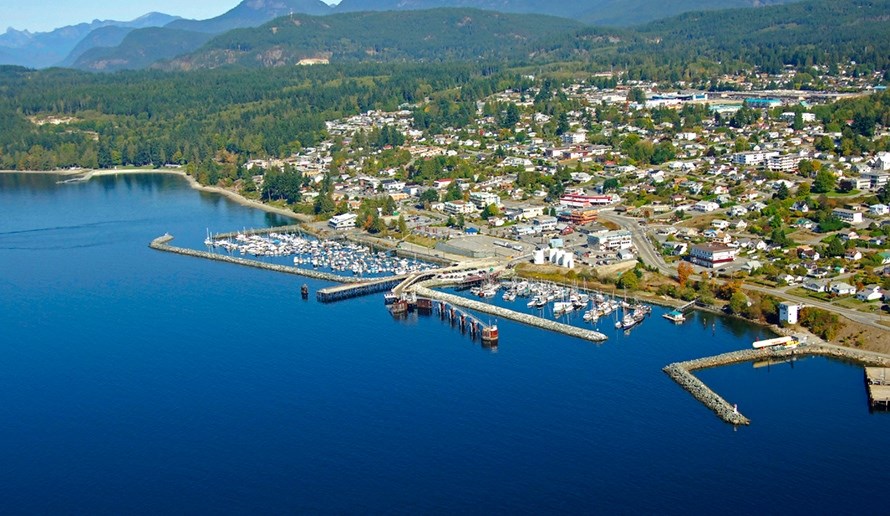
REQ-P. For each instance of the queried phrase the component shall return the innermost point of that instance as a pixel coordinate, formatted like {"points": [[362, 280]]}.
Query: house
{"points": [[738, 211], [675, 248], [441, 184], [852, 255], [800, 206], [705, 206], [842, 289], [752, 265], [848, 216], [804, 223], [870, 293], [806, 253], [712, 254], [719, 224], [392, 185], [884, 257], [879, 209], [814, 285]]}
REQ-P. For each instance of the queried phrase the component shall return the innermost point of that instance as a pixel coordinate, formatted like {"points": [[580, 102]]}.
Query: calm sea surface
{"points": [[134, 381]]}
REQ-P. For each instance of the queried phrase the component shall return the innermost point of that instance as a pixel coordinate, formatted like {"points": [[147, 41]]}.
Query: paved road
{"points": [[651, 257]]}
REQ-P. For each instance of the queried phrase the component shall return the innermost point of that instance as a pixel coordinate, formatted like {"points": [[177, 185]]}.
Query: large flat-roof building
{"points": [[345, 221], [712, 254], [619, 239]]}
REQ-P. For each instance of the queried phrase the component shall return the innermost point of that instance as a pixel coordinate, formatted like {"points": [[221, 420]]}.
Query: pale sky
{"points": [[46, 15]]}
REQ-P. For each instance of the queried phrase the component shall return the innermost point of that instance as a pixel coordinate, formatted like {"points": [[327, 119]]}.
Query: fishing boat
{"points": [[628, 322], [399, 307], [490, 334], [390, 298], [304, 291]]}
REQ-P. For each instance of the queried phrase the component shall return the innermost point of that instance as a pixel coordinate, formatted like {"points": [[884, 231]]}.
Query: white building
{"points": [[619, 239], [783, 163], [544, 223], [848, 216], [574, 138], [484, 199], [879, 209], [712, 254], [705, 206], [788, 312], [345, 221], [459, 208]]}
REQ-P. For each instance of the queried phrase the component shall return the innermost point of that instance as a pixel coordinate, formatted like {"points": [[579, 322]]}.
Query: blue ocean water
{"points": [[134, 381]]}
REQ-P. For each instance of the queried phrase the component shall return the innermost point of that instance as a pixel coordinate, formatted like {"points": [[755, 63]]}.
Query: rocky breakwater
{"points": [[503, 313], [681, 372], [163, 244]]}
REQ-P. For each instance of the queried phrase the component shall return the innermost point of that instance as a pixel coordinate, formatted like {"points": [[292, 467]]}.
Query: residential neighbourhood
{"points": [[747, 184]]}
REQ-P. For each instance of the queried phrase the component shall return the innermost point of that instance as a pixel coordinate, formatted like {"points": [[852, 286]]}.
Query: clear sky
{"points": [[46, 15]]}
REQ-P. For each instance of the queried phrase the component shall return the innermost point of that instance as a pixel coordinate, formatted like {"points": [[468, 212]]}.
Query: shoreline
{"points": [[87, 174]]}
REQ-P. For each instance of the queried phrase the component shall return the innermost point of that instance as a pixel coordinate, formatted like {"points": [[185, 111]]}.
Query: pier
{"points": [[681, 372], [504, 313], [163, 244], [877, 380], [374, 286]]}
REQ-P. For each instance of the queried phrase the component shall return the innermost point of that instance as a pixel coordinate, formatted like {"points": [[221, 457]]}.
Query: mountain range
{"points": [[43, 49], [112, 45]]}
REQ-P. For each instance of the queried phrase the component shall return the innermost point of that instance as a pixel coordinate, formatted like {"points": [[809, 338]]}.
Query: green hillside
{"points": [[433, 35]]}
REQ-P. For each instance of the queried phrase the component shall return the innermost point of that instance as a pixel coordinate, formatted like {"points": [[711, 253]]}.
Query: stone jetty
{"points": [[163, 244], [681, 372], [503, 313]]}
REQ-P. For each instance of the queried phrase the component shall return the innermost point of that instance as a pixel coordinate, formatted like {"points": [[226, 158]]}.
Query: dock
{"points": [[681, 372], [163, 244], [504, 313], [877, 380], [349, 291]]}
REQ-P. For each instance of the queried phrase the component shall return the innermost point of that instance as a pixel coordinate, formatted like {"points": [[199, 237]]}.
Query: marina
{"points": [[337, 256], [203, 387]]}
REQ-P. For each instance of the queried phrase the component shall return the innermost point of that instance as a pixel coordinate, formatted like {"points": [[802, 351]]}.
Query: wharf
{"points": [[877, 379], [374, 286], [681, 372], [163, 244], [504, 313]]}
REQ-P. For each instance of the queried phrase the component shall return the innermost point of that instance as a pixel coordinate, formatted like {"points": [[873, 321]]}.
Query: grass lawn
{"points": [[800, 291]]}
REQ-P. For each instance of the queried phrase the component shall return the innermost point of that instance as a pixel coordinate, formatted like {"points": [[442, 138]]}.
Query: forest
{"points": [[214, 120]]}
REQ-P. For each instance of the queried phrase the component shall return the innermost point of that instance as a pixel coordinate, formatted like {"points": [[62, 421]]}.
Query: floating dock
{"points": [[163, 244], [504, 313]]}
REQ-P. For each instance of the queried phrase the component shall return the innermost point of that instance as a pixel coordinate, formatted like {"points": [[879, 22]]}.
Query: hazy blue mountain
{"points": [[110, 36], [251, 13], [43, 49], [140, 48]]}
